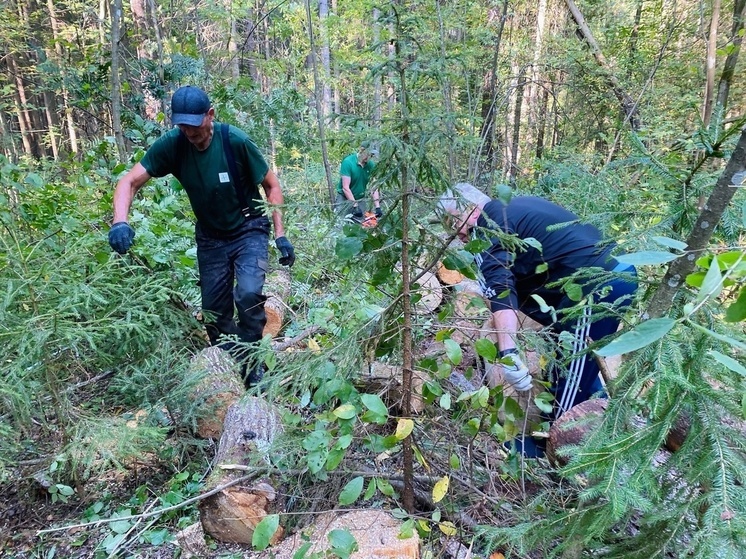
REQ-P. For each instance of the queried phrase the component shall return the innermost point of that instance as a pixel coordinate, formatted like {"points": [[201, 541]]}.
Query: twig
{"points": [[124, 539], [158, 512], [282, 346]]}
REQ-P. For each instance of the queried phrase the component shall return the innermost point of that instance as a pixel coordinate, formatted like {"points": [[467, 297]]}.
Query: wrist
{"points": [[509, 351]]}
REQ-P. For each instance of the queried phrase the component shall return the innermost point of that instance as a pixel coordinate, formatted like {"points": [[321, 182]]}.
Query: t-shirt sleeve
{"points": [[160, 159], [254, 165], [345, 170]]}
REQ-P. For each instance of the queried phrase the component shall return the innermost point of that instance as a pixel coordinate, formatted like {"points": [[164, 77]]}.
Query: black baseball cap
{"points": [[189, 106]]}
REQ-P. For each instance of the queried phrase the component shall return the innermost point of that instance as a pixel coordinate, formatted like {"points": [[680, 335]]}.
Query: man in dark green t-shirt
{"points": [[232, 232], [354, 175]]}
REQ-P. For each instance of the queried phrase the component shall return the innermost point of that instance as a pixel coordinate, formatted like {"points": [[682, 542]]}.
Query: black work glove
{"points": [[379, 213], [357, 212], [121, 235], [286, 250]]}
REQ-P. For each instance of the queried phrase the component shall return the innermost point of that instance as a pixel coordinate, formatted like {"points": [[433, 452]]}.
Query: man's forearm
{"points": [[505, 323]]}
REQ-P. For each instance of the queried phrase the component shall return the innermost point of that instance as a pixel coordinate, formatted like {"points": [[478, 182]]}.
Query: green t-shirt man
{"points": [[205, 174], [354, 175]]}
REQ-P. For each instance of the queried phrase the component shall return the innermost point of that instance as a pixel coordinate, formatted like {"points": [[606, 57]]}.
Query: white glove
{"points": [[516, 374]]}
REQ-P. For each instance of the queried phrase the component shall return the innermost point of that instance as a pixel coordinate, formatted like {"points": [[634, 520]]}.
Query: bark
{"points": [[729, 67], [231, 515], [573, 427], [326, 104], [701, 233], [488, 133], [72, 133], [628, 105], [535, 79], [219, 389], [445, 84], [407, 306], [710, 62], [21, 115], [116, 86], [516, 132], [319, 108]]}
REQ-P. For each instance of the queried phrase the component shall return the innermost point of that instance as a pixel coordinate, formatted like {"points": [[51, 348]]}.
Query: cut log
{"points": [[232, 514], [218, 390], [376, 532], [449, 277], [387, 379], [431, 293], [277, 289], [573, 427]]}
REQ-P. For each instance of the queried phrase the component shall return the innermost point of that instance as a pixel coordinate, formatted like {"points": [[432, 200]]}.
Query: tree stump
{"points": [[277, 288], [573, 427], [219, 389], [376, 532], [232, 514]]}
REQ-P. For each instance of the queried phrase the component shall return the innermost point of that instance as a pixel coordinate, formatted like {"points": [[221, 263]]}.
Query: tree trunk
{"points": [[710, 62], [326, 98], [729, 68], [516, 132], [319, 108], [72, 133], [116, 86], [701, 232], [278, 289], [629, 107]]}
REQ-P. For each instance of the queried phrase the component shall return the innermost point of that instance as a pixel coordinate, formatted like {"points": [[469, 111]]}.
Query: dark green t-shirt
{"points": [[359, 176], [205, 175]]}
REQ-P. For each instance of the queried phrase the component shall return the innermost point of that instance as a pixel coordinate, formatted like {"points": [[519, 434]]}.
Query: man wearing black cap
{"points": [[354, 175], [221, 169]]}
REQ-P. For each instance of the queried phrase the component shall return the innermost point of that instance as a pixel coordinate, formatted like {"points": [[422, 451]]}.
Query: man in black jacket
{"points": [[536, 247]]}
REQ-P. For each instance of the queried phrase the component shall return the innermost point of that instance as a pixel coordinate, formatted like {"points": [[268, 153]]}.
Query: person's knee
{"points": [[250, 299]]}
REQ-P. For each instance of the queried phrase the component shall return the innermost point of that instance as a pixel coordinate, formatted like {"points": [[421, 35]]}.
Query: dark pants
{"points": [[585, 366], [232, 268]]}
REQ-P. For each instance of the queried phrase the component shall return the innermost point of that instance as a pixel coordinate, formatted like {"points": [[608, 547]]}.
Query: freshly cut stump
{"points": [[375, 531], [232, 514]]}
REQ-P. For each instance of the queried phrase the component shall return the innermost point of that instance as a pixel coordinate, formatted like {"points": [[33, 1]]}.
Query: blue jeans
{"points": [[232, 268]]}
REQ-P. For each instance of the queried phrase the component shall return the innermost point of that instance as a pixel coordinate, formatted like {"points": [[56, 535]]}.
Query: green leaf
{"points": [[642, 335], [384, 487], [729, 362], [348, 248], [370, 491], [345, 411], [302, 550], [343, 543], [670, 243], [736, 312], [646, 258], [534, 243], [504, 193], [486, 349], [453, 351], [713, 282], [445, 401], [574, 291], [264, 531], [543, 401], [351, 491], [541, 268], [374, 403]]}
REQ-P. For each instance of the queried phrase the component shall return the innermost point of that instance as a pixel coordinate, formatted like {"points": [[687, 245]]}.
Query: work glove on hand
{"points": [[121, 235], [379, 213], [287, 251], [515, 372], [357, 212]]}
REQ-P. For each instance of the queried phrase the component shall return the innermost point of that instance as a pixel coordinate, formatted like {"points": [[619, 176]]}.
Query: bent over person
{"points": [[221, 169], [511, 275], [354, 175]]}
